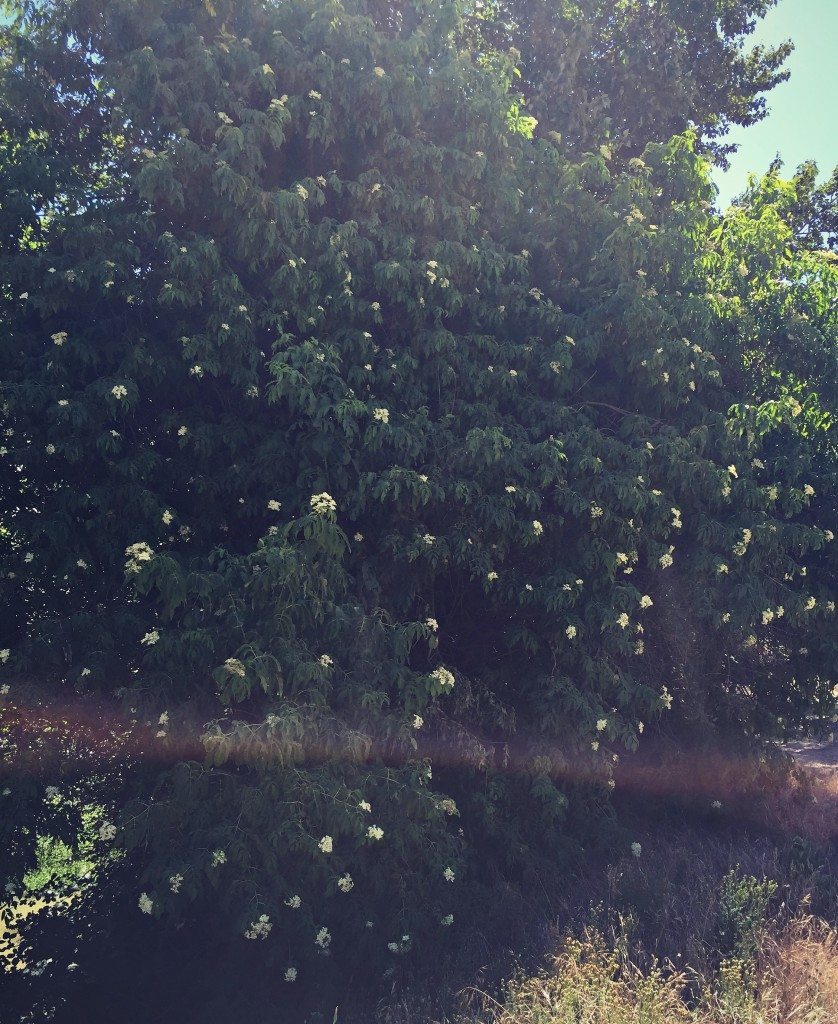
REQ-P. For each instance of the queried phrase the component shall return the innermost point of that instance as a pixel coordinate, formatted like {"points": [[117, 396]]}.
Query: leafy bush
{"points": [[743, 911]]}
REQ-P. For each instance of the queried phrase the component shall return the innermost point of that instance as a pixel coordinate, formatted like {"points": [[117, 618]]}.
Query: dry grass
{"points": [[800, 973], [794, 982]]}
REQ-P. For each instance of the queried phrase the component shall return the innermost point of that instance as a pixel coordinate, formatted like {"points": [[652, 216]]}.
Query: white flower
{"points": [[432, 624], [378, 72], [219, 857], [810, 604], [85, 672], [365, 806], [182, 431], [665, 560], [418, 721], [622, 620], [393, 947], [167, 517], [294, 902], [443, 677], [163, 719], [382, 415], [323, 938], [636, 849], [274, 505], [235, 667], [119, 391], [259, 929], [326, 661], [429, 539], [28, 557], [145, 903], [602, 724], [345, 883], [716, 805], [196, 370], [491, 576], [150, 638], [447, 920], [136, 555], [537, 528], [809, 490], [323, 504], [325, 844], [50, 449], [375, 832], [175, 882], [645, 601], [290, 974], [570, 632], [596, 512], [107, 831], [63, 403], [314, 95], [59, 338], [80, 562]]}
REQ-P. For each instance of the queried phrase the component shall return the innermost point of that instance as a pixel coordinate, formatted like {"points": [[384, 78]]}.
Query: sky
{"points": [[803, 112]]}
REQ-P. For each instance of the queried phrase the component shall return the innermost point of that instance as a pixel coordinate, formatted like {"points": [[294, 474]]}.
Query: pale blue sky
{"points": [[803, 118]]}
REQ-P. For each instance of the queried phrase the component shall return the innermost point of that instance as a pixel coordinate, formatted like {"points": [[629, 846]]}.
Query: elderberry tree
{"points": [[366, 455]]}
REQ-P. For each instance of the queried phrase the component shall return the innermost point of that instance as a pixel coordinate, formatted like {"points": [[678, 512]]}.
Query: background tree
{"points": [[775, 282], [632, 72]]}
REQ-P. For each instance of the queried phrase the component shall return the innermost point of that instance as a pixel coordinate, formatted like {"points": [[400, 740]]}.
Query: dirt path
{"points": [[815, 754]]}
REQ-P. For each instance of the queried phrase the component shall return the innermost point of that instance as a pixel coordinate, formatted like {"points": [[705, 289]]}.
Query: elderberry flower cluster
{"points": [[323, 504], [259, 929]]}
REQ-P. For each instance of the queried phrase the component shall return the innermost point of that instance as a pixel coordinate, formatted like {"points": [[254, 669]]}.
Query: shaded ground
{"points": [[814, 753]]}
